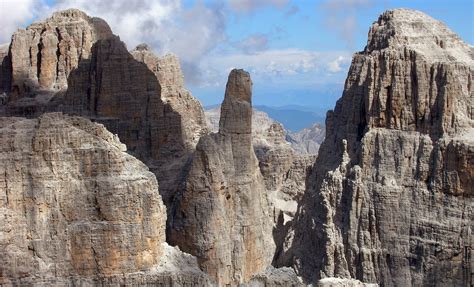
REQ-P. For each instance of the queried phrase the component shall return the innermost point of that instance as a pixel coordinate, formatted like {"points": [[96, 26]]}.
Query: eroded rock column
{"points": [[222, 216]]}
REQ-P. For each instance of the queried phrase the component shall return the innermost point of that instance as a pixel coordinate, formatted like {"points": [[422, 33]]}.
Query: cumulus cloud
{"points": [[15, 14], [339, 64], [341, 16], [272, 65], [244, 6], [164, 24]]}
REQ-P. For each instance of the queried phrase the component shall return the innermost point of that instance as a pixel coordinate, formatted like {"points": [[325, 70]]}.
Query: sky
{"points": [[298, 52]]}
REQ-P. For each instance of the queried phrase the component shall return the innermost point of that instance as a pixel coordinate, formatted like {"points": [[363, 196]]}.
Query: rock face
{"points": [[173, 92], [79, 67], [183, 119], [283, 170], [308, 140], [223, 215], [43, 55], [73, 203], [390, 199]]}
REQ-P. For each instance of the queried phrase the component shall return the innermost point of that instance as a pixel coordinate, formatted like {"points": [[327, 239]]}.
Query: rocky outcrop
{"points": [[390, 199], [43, 55], [73, 203], [5, 73], [75, 208], [307, 140], [183, 120], [173, 92], [72, 63], [275, 277], [283, 169], [284, 172], [223, 214]]}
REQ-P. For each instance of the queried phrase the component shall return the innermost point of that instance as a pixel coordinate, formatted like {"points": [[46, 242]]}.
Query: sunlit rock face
{"points": [[390, 198], [223, 216], [73, 202], [43, 55]]}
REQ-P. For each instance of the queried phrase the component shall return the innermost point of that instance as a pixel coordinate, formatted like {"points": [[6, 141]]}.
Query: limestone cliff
{"points": [[75, 208], [283, 169], [390, 199], [167, 70], [70, 194], [43, 55], [223, 214], [72, 63]]}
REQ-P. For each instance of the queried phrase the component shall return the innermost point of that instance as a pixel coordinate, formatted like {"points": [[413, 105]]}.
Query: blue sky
{"points": [[298, 52]]}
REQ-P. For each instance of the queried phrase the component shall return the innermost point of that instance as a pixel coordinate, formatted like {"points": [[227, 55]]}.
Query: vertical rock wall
{"points": [[390, 199]]}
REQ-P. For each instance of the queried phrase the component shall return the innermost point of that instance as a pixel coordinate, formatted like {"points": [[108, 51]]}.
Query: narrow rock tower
{"points": [[222, 217]]}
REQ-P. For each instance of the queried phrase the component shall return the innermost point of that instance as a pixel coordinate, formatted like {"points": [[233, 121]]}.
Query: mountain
{"points": [[109, 168], [308, 140], [390, 198], [294, 117], [77, 209]]}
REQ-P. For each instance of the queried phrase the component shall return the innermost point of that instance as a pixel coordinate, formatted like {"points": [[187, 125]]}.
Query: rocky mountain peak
{"points": [[417, 31], [166, 68], [239, 86], [43, 55], [393, 175], [143, 47], [233, 242], [236, 110]]}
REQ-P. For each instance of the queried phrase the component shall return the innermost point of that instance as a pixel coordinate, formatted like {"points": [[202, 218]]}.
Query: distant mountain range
{"points": [[293, 117]]}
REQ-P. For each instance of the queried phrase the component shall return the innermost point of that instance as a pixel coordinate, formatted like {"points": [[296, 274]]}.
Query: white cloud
{"points": [[251, 5], [13, 15], [338, 64], [273, 66]]}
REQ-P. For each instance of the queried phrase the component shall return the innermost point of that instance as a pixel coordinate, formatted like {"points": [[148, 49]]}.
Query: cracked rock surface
{"points": [[390, 199], [223, 215]]}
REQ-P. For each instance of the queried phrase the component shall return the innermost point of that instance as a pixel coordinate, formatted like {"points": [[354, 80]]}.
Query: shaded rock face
{"points": [[73, 203], [173, 92], [183, 120], [390, 198], [139, 97], [223, 214], [283, 169]]}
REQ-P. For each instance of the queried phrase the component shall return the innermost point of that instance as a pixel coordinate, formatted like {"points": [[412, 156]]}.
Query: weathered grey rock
{"points": [[43, 55], [73, 203], [183, 115], [343, 282], [275, 277], [167, 70], [5, 72], [141, 99], [76, 209], [223, 214], [283, 170], [390, 199]]}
